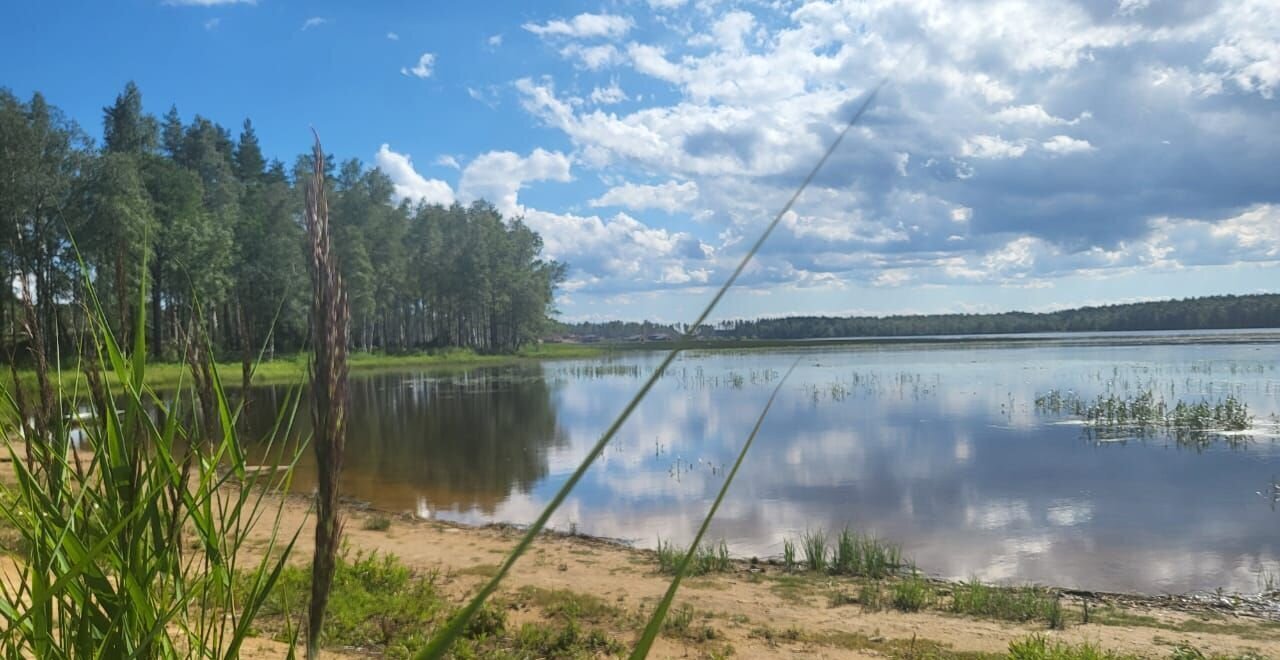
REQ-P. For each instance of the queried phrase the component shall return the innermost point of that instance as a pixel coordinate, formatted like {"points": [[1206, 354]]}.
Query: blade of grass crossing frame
{"points": [[441, 641], [655, 622]]}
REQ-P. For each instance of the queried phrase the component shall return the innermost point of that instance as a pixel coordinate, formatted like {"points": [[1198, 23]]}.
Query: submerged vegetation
{"points": [[1145, 413]]}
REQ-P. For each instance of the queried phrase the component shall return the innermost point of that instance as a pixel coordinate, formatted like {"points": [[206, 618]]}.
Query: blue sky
{"points": [[1023, 155]]}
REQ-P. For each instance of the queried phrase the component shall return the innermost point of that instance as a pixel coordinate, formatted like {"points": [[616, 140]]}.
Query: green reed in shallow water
{"points": [[1148, 411]]}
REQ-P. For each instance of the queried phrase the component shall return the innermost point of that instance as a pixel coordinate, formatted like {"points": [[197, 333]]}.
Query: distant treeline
{"points": [[1207, 313], [220, 226], [611, 330]]}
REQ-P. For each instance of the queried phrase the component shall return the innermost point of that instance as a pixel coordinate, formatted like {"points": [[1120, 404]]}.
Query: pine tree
{"points": [[249, 163], [126, 129]]}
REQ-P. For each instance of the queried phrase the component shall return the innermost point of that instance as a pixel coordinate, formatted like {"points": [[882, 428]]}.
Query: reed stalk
{"points": [[330, 318]]}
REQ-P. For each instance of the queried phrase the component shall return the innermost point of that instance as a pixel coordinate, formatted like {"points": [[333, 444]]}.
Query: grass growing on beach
{"points": [[380, 606], [709, 558], [849, 554], [1038, 647], [974, 598]]}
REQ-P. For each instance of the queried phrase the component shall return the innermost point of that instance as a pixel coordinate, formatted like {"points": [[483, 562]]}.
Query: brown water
{"points": [[939, 448]]}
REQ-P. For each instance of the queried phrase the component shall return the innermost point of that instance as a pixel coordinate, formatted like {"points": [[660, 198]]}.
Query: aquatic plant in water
{"points": [[1146, 412]]}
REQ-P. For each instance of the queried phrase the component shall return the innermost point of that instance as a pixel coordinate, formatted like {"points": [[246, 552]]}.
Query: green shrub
{"points": [[376, 523], [377, 603], [865, 556], [1009, 603], [870, 597], [1037, 647], [814, 545], [911, 594], [709, 558]]}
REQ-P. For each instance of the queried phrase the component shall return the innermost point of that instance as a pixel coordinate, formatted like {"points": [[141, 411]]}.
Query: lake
{"points": [[939, 447]]}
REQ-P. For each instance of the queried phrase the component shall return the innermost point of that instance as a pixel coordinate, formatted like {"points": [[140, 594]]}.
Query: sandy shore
{"points": [[759, 610], [762, 611]]}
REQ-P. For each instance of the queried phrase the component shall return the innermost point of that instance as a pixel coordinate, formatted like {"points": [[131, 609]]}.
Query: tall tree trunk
{"points": [[157, 319]]}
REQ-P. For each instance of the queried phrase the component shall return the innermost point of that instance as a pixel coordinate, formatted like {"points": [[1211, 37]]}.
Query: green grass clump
{"points": [[382, 606], [710, 558], [377, 603], [376, 523], [1228, 415], [1185, 651], [566, 640], [1147, 412], [681, 623], [129, 547], [865, 556], [849, 553], [1008, 603], [816, 550], [566, 605], [1037, 647], [911, 594], [871, 597]]}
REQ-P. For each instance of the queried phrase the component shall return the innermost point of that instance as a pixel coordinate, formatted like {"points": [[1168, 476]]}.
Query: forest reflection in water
{"points": [[420, 442], [938, 448]]}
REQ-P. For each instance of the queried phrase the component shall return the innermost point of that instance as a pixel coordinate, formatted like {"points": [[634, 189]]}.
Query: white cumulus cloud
{"points": [[498, 176], [1063, 144], [991, 146], [583, 26], [608, 95], [1035, 115], [408, 183], [423, 69], [593, 58], [670, 196]]}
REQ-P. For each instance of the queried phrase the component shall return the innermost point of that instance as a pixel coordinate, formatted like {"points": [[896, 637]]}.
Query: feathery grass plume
{"points": [[660, 612], [330, 318], [442, 640]]}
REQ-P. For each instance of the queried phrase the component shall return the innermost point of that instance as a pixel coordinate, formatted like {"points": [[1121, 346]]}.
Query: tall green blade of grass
{"points": [[109, 570], [655, 622], [445, 638]]}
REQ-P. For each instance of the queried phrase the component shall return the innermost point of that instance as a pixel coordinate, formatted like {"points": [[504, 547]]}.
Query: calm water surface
{"points": [[939, 448]]}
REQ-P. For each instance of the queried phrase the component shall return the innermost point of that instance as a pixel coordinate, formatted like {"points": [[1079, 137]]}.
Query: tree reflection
{"points": [[455, 442]]}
